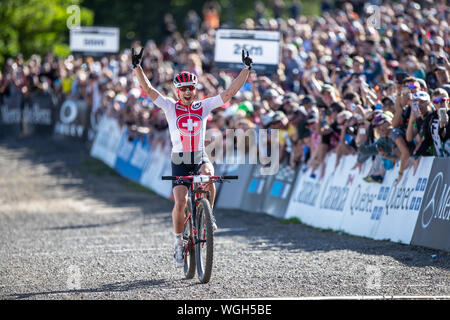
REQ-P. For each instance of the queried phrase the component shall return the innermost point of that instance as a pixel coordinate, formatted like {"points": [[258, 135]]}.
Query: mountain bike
{"points": [[198, 225]]}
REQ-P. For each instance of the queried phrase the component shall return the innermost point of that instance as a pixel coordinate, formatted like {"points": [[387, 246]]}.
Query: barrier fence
{"points": [[41, 113], [415, 211]]}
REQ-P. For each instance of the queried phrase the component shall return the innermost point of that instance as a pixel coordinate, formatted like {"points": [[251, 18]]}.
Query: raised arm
{"points": [[145, 84], [239, 81]]}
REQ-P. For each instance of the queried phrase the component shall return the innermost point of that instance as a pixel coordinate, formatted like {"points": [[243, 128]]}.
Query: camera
{"points": [[442, 112], [400, 76], [432, 59], [350, 130]]}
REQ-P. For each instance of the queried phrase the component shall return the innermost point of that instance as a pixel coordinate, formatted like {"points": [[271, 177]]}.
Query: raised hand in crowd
{"points": [[136, 58]]}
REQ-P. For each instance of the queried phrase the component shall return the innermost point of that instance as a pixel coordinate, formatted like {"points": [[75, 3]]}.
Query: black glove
{"points": [[136, 58], [247, 60]]}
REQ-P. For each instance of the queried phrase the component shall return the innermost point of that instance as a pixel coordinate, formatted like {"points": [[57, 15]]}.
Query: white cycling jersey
{"points": [[187, 124]]}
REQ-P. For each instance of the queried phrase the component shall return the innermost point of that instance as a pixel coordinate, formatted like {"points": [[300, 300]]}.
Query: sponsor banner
{"points": [[386, 211], [72, 119], [159, 165], [342, 200], [10, 112], [94, 121], [232, 194], [107, 141], [38, 114], [279, 189], [432, 228], [255, 191], [94, 39], [219, 170], [402, 204], [132, 156], [319, 201], [263, 47]]}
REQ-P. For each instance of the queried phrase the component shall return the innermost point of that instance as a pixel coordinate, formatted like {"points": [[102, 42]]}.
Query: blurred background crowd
{"points": [[346, 83]]}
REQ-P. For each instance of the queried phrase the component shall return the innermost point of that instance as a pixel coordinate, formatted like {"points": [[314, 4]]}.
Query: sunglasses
{"points": [[440, 100], [412, 86], [191, 88]]}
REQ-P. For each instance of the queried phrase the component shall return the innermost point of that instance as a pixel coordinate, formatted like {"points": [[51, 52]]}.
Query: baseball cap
{"points": [[290, 97], [421, 95], [386, 99], [373, 114], [358, 59], [247, 107], [439, 41], [422, 83], [267, 118], [278, 116], [380, 119], [348, 62], [271, 93], [308, 98], [440, 68], [327, 87], [446, 87]]}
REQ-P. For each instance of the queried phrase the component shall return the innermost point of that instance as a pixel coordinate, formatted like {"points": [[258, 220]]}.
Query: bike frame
{"points": [[196, 191]]}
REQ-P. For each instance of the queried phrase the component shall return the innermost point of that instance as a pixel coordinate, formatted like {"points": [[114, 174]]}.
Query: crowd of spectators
{"points": [[346, 83]]}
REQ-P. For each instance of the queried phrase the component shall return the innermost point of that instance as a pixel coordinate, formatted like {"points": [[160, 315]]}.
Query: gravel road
{"points": [[71, 228]]}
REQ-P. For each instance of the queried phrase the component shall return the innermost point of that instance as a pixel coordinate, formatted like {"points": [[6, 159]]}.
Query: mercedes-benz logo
{"points": [[429, 199]]}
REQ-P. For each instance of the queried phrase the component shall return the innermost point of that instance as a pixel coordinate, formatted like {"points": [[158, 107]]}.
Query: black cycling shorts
{"points": [[187, 164]]}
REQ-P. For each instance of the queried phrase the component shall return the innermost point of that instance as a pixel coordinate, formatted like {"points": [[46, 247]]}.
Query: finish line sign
{"points": [[263, 47], [94, 40]]}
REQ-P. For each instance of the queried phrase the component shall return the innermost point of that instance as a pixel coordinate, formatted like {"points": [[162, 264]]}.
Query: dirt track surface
{"points": [[71, 228]]}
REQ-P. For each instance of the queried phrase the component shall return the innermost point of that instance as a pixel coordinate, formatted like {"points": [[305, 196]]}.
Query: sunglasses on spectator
{"points": [[440, 100], [191, 88], [412, 86]]}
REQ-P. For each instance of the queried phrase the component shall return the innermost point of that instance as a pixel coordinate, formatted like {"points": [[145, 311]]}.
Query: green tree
{"points": [[36, 26], [143, 20]]}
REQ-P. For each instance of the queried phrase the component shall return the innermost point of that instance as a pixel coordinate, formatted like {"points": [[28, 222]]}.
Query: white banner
{"points": [[94, 39], [107, 141], [263, 47], [159, 165], [343, 201]]}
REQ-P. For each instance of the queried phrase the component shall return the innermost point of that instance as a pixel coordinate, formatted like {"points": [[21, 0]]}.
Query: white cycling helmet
{"points": [[185, 78]]}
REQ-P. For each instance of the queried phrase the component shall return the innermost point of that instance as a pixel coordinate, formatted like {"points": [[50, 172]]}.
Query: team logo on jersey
{"points": [[189, 124], [180, 107], [196, 106]]}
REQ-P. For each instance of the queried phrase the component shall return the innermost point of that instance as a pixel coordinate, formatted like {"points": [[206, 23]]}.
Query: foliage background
{"points": [[39, 26]]}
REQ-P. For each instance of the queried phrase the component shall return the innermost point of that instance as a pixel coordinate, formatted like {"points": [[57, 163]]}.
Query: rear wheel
{"points": [[189, 253], [204, 247]]}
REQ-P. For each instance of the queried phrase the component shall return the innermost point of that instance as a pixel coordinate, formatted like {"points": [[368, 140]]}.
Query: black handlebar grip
{"points": [[230, 177], [168, 178]]}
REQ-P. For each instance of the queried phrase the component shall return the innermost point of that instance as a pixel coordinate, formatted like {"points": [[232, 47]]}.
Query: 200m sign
{"points": [[252, 50]]}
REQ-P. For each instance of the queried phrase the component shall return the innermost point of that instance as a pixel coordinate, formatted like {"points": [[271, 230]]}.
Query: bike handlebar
{"points": [[191, 177], [168, 178]]}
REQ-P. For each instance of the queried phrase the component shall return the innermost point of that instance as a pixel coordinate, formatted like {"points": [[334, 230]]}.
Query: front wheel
{"points": [[189, 253], [204, 247]]}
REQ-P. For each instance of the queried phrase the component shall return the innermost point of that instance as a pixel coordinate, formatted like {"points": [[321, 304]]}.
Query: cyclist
{"points": [[187, 125]]}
